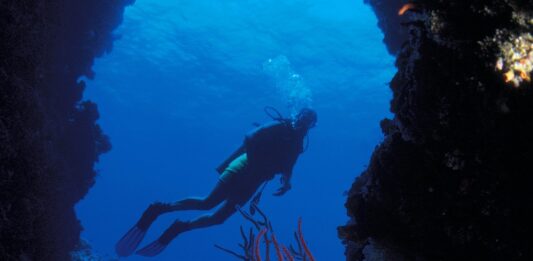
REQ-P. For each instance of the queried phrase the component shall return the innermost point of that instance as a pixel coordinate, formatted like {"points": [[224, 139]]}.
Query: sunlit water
{"points": [[185, 82]]}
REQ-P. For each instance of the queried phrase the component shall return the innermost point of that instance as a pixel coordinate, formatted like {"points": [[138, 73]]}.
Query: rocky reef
{"points": [[452, 178], [49, 139]]}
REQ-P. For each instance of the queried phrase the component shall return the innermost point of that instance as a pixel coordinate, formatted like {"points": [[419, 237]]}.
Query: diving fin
{"points": [[153, 249], [156, 247], [130, 241]]}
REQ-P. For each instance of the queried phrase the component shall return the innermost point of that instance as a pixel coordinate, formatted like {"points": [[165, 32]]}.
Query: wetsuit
{"points": [[270, 149]]}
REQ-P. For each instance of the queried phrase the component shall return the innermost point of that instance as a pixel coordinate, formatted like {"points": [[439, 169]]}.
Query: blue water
{"points": [[185, 82]]}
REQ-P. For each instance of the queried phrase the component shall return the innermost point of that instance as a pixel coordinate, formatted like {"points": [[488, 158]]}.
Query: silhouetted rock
{"points": [[49, 140], [452, 178], [390, 22]]}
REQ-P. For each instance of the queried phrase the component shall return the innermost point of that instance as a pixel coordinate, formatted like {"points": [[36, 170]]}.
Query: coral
{"points": [[451, 179], [251, 246], [287, 254], [257, 244], [277, 247], [302, 241], [516, 59], [405, 8]]}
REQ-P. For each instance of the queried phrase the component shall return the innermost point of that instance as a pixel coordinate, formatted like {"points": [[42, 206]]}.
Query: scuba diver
{"points": [[268, 150]]}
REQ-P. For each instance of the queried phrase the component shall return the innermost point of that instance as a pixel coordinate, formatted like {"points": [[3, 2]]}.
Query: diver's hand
{"points": [[286, 187]]}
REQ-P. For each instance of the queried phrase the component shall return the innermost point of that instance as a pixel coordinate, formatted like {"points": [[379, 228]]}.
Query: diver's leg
{"points": [[178, 227], [217, 218], [131, 240], [215, 197], [237, 196]]}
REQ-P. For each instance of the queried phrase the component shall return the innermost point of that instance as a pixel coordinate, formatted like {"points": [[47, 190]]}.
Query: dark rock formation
{"points": [[390, 22], [453, 177], [84, 252], [49, 140]]}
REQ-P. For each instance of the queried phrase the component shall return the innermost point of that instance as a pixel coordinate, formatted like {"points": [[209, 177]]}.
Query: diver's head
{"points": [[305, 119]]}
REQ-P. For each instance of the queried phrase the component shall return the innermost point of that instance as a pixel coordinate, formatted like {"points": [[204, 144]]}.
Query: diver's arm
{"points": [[285, 183], [286, 174]]}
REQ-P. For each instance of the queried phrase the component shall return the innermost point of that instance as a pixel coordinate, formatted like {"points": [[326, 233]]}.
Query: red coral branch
{"points": [[257, 246], [276, 246], [304, 244], [287, 253], [252, 243], [267, 247]]}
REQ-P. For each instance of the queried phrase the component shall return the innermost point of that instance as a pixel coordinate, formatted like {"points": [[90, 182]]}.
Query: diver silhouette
{"points": [[268, 150]]}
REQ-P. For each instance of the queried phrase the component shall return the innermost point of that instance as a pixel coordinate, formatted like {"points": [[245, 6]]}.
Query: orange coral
{"points": [[405, 8], [509, 76]]}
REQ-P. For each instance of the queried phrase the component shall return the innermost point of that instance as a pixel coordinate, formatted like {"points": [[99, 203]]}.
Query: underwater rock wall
{"points": [[392, 24], [452, 179], [49, 140]]}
